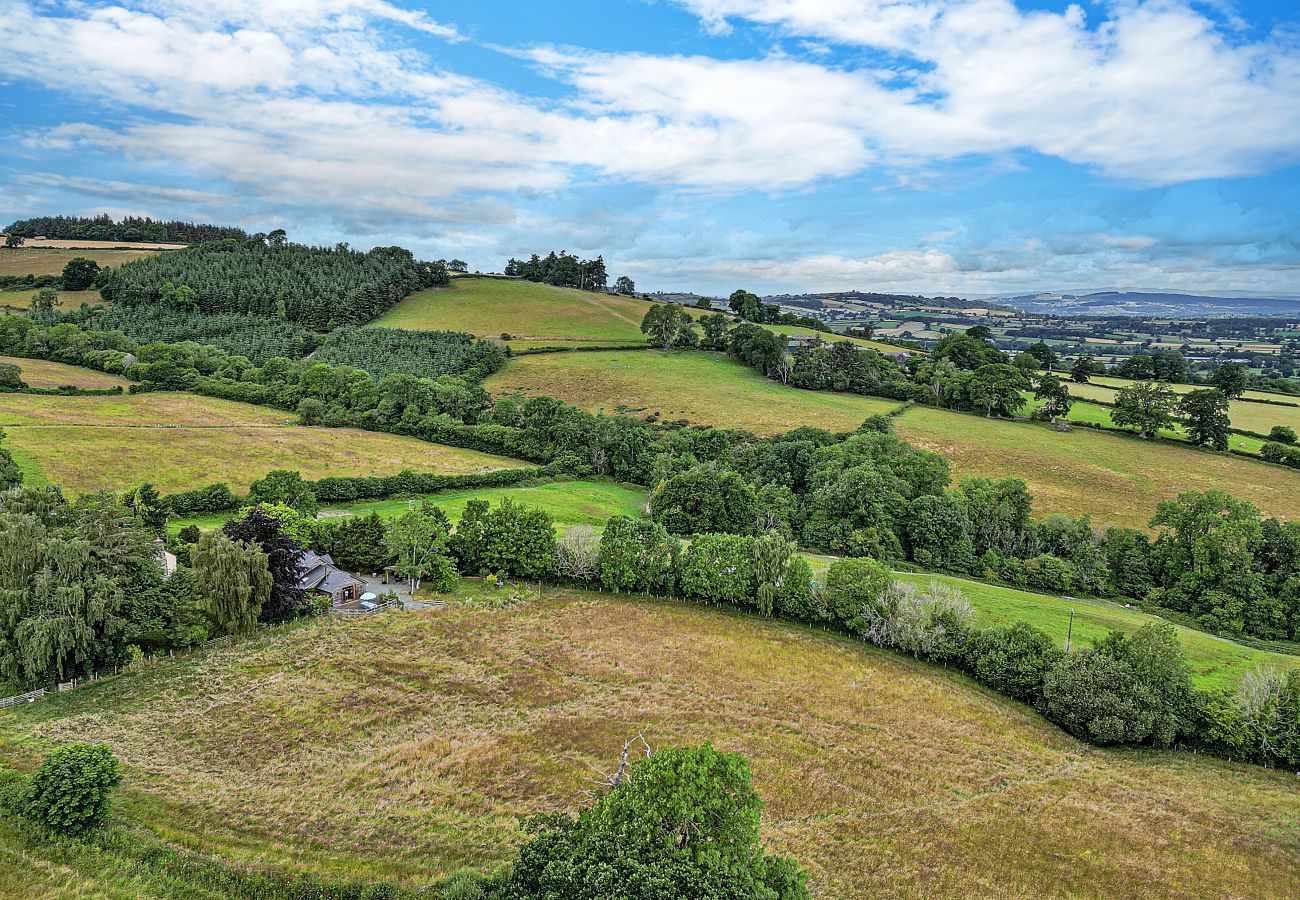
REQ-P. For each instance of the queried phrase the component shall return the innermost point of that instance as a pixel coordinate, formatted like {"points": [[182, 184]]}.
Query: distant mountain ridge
{"points": [[1151, 303]]}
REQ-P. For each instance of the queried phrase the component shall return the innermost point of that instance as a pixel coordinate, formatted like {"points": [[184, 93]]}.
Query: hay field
{"points": [[40, 373], [182, 441], [405, 745], [39, 261], [702, 388], [1118, 479]]}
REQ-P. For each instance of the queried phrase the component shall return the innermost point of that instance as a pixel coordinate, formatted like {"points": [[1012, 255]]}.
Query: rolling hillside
{"points": [[404, 746], [533, 314], [40, 373], [50, 261], [700, 388], [182, 441]]}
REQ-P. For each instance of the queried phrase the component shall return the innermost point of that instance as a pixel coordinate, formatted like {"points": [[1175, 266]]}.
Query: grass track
{"points": [[405, 746], [182, 441], [702, 388]]}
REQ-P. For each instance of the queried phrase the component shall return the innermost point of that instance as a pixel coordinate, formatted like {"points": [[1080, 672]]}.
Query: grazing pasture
{"points": [[1248, 416], [701, 388], [406, 745], [40, 373], [21, 300], [533, 314], [1117, 479], [42, 261], [181, 441]]}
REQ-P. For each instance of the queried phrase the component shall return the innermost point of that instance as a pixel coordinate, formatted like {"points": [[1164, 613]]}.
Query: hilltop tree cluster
{"points": [[128, 228], [561, 270]]}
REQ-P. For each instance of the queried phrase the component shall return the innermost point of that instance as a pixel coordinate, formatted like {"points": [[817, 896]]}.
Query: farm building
{"points": [[321, 576]]}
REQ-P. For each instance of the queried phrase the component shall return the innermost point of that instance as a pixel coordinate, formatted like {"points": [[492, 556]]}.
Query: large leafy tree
{"points": [[79, 274], [665, 324], [284, 556], [1231, 380], [1147, 406], [417, 539], [1055, 396], [706, 498], [682, 823], [233, 581], [636, 555], [1205, 416], [995, 388]]}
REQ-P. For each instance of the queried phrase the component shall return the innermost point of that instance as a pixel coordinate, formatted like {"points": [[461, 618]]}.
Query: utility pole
{"points": [[1069, 633]]}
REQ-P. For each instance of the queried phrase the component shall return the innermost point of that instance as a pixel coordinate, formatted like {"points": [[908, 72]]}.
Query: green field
{"points": [[836, 338], [701, 388], [1256, 417], [181, 441], [568, 503], [533, 314], [1118, 479], [1215, 662], [47, 261], [406, 745], [40, 373]]}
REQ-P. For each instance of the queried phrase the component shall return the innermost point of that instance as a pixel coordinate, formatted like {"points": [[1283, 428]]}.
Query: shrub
{"points": [[800, 596], [1013, 660], [1098, 698], [934, 623], [636, 555], [718, 568], [69, 792], [1282, 434], [853, 585]]}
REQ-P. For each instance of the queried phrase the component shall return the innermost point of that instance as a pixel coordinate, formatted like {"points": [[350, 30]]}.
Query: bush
{"points": [[934, 623], [69, 792], [1046, 572], [853, 585], [1013, 660], [1282, 434], [1098, 698], [718, 568]]}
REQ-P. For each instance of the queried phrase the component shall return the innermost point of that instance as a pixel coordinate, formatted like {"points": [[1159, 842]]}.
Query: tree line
{"points": [[128, 228]]}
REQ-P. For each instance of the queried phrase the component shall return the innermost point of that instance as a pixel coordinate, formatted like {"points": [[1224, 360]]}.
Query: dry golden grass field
{"points": [[40, 373], [405, 745], [182, 441], [49, 261]]}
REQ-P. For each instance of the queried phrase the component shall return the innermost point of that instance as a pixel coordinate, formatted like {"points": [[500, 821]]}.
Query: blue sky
{"points": [[941, 146]]}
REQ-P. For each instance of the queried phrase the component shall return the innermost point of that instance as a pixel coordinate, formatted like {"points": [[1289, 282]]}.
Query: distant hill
{"points": [[1151, 303]]}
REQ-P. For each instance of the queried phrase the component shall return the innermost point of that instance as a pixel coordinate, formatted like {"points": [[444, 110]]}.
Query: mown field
{"points": [[40, 373], [181, 441], [701, 388], [1118, 479], [567, 502], [836, 338], [49, 261], [406, 745], [533, 314]]}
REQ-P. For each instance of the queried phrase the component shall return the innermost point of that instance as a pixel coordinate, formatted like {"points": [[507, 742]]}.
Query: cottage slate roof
{"points": [[320, 574]]}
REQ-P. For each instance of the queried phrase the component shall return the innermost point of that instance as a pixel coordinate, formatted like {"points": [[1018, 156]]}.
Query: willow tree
{"points": [[233, 581]]}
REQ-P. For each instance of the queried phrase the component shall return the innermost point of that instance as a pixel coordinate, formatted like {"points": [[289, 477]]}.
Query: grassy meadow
{"points": [[533, 314], [182, 441], [405, 746], [1248, 416], [50, 261], [1118, 479], [701, 388], [21, 300], [567, 502], [40, 373]]}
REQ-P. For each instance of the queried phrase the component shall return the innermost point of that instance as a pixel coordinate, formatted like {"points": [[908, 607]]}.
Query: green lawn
{"points": [[701, 388], [533, 314], [568, 502]]}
